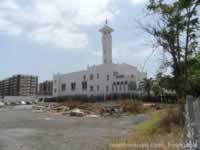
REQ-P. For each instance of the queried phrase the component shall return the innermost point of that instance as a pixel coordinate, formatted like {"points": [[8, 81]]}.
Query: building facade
{"points": [[100, 80], [46, 88], [19, 85]]}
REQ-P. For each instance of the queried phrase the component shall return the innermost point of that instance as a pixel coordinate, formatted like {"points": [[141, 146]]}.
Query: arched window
{"points": [[108, 77], [107, 88], [84, 85], [113, 88], [97, 75], [91, 88], [91, 77], [120, 87], [73, 86], [98, 87], [63, 87], [84, 77]]}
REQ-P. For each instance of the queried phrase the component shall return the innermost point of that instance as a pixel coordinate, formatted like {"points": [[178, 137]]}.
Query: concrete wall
{"points": [[192, 123], [20, 98]]}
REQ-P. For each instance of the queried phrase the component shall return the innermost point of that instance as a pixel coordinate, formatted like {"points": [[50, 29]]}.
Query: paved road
{"points": [[25, 130]]}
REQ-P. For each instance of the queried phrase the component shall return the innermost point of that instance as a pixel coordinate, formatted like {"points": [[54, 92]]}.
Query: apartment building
{"points": [[46, 88], [19, 85]]}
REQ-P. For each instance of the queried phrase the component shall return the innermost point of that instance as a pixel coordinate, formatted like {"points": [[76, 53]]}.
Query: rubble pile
{"points": [[79, 109], [75, 109]]}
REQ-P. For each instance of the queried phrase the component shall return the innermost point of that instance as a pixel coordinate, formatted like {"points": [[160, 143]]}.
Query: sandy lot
{"points": [[25, 130]]}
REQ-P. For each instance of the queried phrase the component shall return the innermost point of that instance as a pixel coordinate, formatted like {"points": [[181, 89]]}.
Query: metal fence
{"points": [[192, 123]]}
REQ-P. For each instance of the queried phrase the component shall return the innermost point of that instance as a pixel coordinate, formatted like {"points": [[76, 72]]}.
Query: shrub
{"points": [[132, 106], [170, 120], [72, 104]]}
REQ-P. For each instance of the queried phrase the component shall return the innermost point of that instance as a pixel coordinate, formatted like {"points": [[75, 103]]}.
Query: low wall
{"points": [[20, 98]]}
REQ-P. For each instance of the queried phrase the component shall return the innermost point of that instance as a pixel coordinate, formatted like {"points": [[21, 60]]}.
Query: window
{"points": [[132, 86], [84, 77], [98, 87], [84, 85], [108, 77], [107, 88], [55, 90], [97, 75], [115, 73], [112, 87], [91, 77], [120, 87], [73, 86], [91, 88], [124, 86], [63, 87]]}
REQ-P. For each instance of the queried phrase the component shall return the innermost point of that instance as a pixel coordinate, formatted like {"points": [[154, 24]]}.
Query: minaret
{"points": [[107, 43]]}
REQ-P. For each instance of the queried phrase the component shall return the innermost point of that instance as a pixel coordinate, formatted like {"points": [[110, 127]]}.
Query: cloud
{"points": [[135, 2], [55, 22], [56, 37], [9, 28], [127, 54], [130, 53]]}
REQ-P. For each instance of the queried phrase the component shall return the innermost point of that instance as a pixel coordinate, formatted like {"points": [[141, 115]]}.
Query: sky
{"points": [[45, 37]]}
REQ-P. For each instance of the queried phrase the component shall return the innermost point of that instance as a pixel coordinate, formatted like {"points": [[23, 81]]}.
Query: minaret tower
{"points": [[107, 43]]}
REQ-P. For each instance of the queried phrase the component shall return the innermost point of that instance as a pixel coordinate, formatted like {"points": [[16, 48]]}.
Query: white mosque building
{"points": [[100, 80]]}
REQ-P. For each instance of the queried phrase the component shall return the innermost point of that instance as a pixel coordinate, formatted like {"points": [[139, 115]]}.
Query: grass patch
{"points": [[148, 126], [160, 132]]}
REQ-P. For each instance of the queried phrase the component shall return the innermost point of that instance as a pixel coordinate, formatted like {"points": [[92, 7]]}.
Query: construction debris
{"points": [[2, 104], [92, 110], [38, 108], [92, 116], [23, 103], [76, 109], [77, 112], [62, 109]]}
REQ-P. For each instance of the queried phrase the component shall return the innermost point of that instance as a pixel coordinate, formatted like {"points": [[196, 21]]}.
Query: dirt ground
{"points": [[24, 130]]}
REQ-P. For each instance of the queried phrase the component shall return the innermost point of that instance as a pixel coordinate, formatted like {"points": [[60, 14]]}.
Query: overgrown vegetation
{"points": [[72, 104], [134, 107], [160, 131], [169, 121]]}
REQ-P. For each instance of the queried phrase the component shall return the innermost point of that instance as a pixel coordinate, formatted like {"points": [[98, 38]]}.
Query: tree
{"points": [[194, 76], [157, 90], [176, 32], [165, 81], [148, 83]]}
